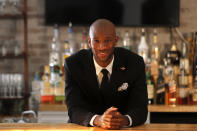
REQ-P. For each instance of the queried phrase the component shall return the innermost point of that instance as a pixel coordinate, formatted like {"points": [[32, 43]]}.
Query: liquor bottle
{"points": [[127, 41], [194, 92], [155, 53], [66, 53], [191, 42], [59, 92], [150, 85], [195, 58], [71, 39], [160, 90], [54, 59], [172, 90], [154, 69], [143, 47], [184, 60], [183, 84], [174, 55], [46, 93], [84, 43]]}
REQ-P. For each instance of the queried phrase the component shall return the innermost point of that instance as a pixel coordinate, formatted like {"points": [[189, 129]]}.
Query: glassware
{"points": [[2, 7], [14, 6]]}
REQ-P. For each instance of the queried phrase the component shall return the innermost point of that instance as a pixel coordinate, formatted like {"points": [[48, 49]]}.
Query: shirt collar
{"points": [[99, 68]]}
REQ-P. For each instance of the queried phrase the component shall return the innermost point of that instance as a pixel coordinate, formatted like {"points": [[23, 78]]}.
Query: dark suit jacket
{"points": [[83, 97]]}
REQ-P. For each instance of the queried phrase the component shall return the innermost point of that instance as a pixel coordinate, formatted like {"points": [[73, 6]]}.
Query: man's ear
{"points": [[116, 40], [89, 42]]}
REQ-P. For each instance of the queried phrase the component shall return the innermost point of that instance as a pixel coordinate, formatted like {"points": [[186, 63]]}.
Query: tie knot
{"points": [[105, 72]]}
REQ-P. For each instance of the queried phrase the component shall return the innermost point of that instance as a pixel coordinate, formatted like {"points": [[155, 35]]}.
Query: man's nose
{"points": [[103, 45]]}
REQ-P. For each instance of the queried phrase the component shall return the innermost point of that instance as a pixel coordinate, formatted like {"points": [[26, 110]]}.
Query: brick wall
{"points": [[39, 35]]}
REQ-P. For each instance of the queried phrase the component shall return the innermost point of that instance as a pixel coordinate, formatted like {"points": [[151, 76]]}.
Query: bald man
{"points": [[105, 85]]}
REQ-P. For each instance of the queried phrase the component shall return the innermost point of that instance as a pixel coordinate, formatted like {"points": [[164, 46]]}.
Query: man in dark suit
{"points": [[105, 85]]}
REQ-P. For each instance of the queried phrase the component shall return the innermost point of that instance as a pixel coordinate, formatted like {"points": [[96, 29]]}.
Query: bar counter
{"points": [[74, 127]]}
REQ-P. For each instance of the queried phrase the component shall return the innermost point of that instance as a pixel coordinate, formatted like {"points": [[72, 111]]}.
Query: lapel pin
{"points": [[123, 68]]}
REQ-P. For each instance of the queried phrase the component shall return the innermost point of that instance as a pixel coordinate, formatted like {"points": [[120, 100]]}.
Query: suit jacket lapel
{"points": [[91, 74], [118, 73]]}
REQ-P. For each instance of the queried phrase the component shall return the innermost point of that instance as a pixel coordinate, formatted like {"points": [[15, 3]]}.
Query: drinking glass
{"points": [[2, 7]]}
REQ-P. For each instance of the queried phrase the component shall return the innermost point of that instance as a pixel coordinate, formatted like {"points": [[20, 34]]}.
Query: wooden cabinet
{"points": [[173, 114], [23, 56]]}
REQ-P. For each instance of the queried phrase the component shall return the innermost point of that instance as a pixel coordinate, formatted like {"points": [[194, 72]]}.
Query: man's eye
{"points": [[96, 41]]}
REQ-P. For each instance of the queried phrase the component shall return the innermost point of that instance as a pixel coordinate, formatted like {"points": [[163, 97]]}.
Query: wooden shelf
{"points": [[12, 16], [169, 108], [12, 56], [14, 98]]}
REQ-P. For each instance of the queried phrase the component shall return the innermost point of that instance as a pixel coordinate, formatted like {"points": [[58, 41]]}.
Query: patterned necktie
{"points": [[105, 79]]}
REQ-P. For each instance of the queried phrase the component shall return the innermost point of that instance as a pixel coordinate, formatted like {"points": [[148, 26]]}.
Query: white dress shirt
{"points": [[99, 78]]}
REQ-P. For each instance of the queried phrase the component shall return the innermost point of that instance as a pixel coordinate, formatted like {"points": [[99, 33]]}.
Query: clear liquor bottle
{"points": [[172, 90], [71, 39], [155, 52], [143, 47], [54, 58], [183, 84], [127, 41]]}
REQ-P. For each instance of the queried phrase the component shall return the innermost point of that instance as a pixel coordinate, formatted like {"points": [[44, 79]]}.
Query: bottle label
{"points": [[183, 80], [183, 92], [150, 91], [154, 68], [194, 97], [172, 89]]}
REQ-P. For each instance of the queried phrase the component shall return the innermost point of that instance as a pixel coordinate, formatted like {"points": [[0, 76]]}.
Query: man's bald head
{"points": [[102, 24]]}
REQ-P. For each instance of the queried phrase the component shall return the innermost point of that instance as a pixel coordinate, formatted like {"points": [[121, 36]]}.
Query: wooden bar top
{"points": [[74, 127], [170, 108]]}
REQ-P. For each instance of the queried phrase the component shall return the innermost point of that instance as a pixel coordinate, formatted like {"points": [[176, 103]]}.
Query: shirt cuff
{"points": [[92, 120], [130, 120]]}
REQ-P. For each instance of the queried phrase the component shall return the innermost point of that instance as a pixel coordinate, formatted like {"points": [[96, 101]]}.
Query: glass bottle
{"points": [[174, 55], [127, 41], [150, 85], [184, 60], [71, 39], [47, 92], [84, 43], [66, 53], [143, 47], [194, 90], [155, 53], [172, 90], [183, 84], [160, 90], [54, 58], [59, 90]]}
